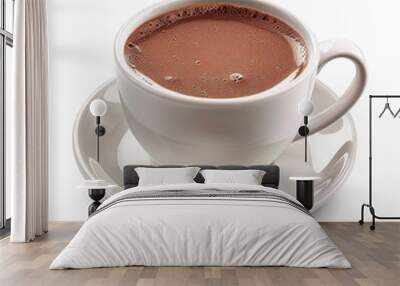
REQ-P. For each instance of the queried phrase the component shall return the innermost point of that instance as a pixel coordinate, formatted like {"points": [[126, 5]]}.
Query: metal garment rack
{"points": [[370, 204]]}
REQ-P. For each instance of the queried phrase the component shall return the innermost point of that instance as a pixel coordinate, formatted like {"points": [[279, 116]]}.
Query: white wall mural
{"points": [[80, 64], [259, 129]]}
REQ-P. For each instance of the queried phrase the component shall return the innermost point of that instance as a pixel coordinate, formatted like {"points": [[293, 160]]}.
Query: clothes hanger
{"points": [[397, 113], [387, 107]]}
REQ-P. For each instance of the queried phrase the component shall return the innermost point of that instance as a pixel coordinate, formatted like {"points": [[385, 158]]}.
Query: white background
{"points": [[81, 35]]}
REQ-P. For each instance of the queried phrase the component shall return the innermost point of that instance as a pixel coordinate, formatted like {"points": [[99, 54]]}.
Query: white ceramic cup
{"points": [[181, 129]]}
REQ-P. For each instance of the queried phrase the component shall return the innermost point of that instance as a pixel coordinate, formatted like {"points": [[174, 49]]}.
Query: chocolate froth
{"points": [[216, 51]]}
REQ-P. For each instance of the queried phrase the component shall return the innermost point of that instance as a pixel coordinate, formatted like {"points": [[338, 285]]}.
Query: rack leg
{"points": [[372, 210], [361, 221]]}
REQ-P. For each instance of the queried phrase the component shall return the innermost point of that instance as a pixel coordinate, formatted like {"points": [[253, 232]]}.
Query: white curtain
{"points": [[28, 148]]}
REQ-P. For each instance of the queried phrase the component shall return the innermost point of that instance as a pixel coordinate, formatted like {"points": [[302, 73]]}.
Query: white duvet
{"points": [[200, 231]]}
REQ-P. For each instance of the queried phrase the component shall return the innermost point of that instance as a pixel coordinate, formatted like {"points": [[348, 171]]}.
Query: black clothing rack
{"points": [[370, 204]]}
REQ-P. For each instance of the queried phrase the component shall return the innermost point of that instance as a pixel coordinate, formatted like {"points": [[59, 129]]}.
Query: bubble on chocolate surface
{"points": [[132, 65], [203, 93], [137, 48], [236, 77], [169, 78], [134, 48]]}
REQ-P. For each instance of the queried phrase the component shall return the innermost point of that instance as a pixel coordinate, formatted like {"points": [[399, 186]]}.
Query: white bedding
{"points": [[200, 231]]}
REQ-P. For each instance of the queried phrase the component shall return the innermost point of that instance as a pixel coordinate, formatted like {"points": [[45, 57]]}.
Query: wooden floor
{"points": [[375, 257]]}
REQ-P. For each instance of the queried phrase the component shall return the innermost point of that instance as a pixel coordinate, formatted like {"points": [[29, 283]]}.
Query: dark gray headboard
{"points": [[271, 178]]}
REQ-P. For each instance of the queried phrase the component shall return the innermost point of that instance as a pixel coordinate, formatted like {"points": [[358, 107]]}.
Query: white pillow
{"points": [[247, 177], [165, 176]]}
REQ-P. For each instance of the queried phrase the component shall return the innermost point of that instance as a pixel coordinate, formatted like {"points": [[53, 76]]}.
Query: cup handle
{"points": [[330, 50]]}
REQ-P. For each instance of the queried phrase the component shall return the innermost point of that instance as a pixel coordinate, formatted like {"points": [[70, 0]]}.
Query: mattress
{"points": [[201, 225]]}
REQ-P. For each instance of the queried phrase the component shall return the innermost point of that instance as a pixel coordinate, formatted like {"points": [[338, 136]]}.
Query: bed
{"points": [[201, 224]]}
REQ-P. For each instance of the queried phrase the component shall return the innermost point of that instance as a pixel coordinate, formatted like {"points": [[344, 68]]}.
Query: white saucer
{"points": [[332, 151]]}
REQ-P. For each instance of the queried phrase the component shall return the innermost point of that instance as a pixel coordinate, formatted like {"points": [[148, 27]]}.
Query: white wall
{"points": [[81, 38]]}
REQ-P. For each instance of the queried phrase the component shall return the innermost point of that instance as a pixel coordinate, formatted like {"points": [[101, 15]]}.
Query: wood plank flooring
{"points": [[375, 257]]}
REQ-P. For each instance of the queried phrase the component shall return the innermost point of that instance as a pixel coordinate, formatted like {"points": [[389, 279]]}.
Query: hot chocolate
{"points": [[216, 51]]}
